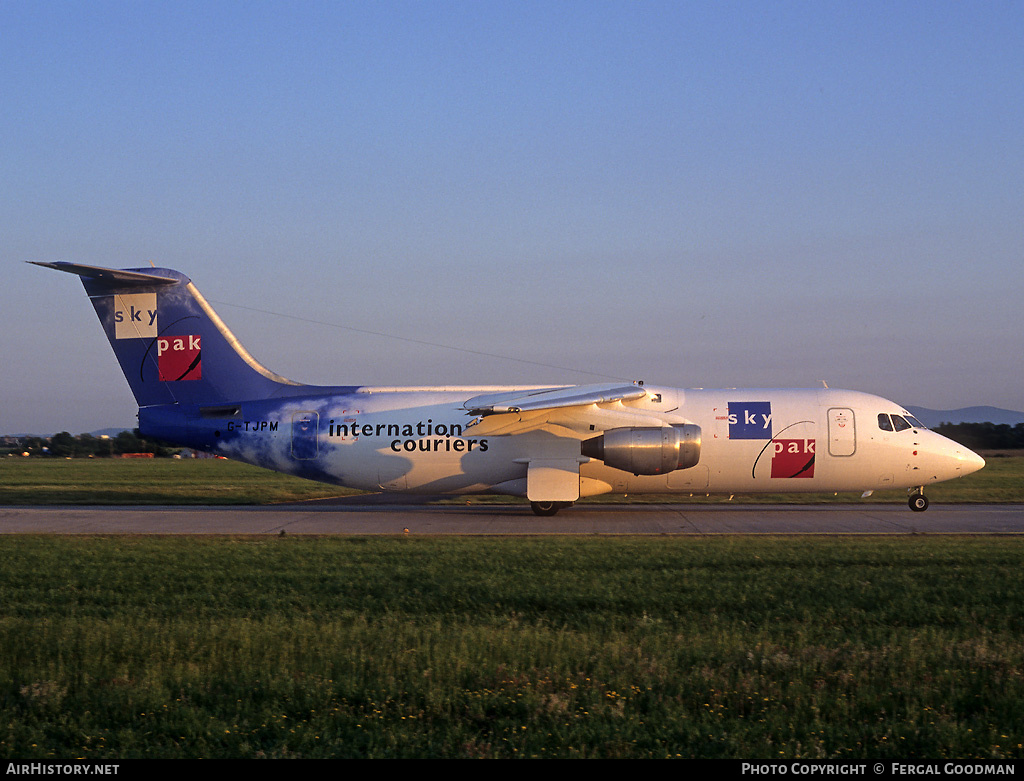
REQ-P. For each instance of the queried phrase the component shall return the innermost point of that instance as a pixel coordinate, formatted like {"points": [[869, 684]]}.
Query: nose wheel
{"points": [[918, 501]]}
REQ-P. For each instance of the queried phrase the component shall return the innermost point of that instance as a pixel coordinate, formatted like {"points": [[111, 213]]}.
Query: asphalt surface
{"points": [[365, 517]]}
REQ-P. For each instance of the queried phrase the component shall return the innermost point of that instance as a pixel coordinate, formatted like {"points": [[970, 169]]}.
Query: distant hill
{"points": [[933, 417]]}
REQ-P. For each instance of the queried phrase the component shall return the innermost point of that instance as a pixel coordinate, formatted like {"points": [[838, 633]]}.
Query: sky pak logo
{"points": [[750, 420], [135, 315], [179, 358]]}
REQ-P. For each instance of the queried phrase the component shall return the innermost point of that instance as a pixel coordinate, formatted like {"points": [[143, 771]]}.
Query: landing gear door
{"points": [[553, 480], [304, 430], [842, 432]]}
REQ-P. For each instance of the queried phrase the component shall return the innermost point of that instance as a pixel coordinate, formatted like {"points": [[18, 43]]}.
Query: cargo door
{"points": [[304, 430]]}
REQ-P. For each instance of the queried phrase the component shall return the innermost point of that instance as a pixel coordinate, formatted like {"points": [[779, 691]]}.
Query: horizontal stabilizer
{"points": [[111, 275]]}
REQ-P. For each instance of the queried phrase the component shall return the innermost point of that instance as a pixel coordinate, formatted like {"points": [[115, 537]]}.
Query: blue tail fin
{"points": [[172, 346]]}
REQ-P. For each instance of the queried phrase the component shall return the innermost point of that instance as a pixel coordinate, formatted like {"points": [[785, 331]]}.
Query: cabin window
{"points": [[884, 423]]}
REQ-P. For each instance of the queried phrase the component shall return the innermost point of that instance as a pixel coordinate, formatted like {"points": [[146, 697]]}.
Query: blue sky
{"points": [[693, 194]]}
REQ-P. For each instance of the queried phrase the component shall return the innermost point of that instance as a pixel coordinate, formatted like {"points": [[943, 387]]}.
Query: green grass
{"points": [[39, 481], [463, 647], [215, 481]]}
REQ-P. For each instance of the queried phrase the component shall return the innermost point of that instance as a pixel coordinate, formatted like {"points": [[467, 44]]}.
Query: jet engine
{"points": [[647, 451]]}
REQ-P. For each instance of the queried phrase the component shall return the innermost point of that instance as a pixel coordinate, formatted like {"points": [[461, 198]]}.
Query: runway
{"points": [[365, 518]]}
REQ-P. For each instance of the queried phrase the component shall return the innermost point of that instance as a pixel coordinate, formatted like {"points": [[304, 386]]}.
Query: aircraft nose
{"points": [[940, 458], [963, 460], [969, 461]]}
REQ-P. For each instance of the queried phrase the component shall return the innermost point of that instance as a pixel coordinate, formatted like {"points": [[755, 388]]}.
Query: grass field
{"points": [[449, 647], [150, 481], [788, 647], [215, 481]]}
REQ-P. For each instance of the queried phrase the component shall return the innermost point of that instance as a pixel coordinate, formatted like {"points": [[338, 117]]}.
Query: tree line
{"points": [[984, 436], [66, 445]]}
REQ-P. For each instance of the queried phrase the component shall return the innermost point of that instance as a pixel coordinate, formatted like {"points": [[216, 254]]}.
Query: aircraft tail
{"points": [[172, 346]]}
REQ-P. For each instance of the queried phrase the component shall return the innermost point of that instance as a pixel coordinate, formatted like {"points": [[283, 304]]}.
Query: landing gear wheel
{"points": [[918, 503], [546, 508]]}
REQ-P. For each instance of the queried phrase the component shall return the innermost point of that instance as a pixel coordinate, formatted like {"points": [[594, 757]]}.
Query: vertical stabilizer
{"points": [[172, 346]]}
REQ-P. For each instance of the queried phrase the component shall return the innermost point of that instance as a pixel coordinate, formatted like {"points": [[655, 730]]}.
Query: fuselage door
{"points": [[842, 434], [304, 428]]}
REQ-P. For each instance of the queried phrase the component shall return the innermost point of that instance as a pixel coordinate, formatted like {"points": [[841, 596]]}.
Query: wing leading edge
{"points": [[552, 398]]}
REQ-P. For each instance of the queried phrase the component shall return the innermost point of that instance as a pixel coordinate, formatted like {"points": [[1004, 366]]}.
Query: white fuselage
{"points": [[751, 441]]}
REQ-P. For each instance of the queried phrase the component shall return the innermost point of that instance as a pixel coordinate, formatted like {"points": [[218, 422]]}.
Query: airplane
{"points": [[196, 386]]}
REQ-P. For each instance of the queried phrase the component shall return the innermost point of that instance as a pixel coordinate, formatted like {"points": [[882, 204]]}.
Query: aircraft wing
{"points": [[552, 398], [518, 412], [558, 417]]}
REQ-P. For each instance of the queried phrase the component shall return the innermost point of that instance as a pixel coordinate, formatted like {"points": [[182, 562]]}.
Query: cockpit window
{"points": [[897, 422]]}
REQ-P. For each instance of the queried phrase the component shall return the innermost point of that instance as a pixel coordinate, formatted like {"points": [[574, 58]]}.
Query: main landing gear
{"points": [[548, 508], [918, 501]]}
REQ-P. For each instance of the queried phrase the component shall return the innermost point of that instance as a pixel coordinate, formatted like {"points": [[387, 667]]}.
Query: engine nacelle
{"points": [[647, 451]]}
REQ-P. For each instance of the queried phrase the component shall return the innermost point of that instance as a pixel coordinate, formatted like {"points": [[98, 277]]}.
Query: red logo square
{"points": [[793, 458], [179, 358]]}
